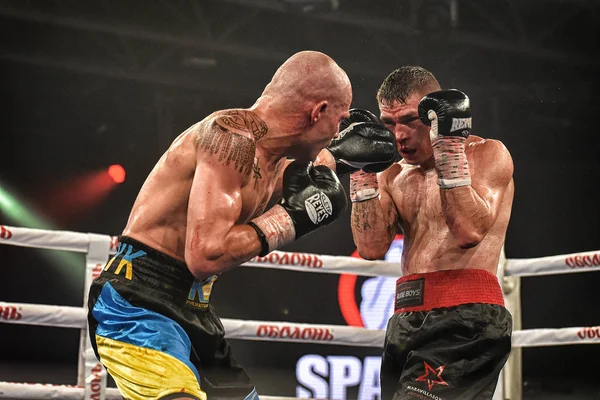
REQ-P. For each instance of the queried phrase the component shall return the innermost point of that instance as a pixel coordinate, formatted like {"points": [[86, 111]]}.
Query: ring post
{"points": [[90, 373], [513, 376]]}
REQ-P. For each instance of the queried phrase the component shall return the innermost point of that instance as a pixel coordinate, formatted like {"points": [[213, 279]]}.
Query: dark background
{"points": [[88, 84]]}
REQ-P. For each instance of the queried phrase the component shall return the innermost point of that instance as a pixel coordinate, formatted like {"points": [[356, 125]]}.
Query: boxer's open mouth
{"points": [[407, 152]]}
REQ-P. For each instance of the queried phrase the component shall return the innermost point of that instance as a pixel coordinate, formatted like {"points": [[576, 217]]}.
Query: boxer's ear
{"points": [[317, 111]]}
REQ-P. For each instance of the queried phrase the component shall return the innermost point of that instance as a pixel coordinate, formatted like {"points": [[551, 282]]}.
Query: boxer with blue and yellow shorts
{"points": [[152, 328]]}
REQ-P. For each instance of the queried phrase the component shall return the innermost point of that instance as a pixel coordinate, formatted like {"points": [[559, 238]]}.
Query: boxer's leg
{"points": [[222, 377], [146, 353], [456, 353]]}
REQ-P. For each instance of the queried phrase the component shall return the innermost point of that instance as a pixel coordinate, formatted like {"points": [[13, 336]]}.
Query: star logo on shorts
{"points": [[432, 376]]}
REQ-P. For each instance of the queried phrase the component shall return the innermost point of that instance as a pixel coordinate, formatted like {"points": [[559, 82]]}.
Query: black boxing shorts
{"points": [[448, 339], [151, 326]]}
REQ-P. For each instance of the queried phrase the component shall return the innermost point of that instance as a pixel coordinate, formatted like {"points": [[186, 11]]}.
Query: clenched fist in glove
{"points": [[363, 143], [312, 197], [449, 114]]}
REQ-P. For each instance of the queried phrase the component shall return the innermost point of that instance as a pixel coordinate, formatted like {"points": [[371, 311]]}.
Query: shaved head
{"points": [[304, 103], [309, 76]]}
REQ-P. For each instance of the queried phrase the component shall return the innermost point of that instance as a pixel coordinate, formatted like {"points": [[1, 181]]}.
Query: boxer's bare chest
{"points": [[427, 239], [417, 197], [257, 192]]}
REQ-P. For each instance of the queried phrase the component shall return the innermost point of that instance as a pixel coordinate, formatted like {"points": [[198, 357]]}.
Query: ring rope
{"points": [[79, 242], [74, 317], [92, 376], [44, 391]]}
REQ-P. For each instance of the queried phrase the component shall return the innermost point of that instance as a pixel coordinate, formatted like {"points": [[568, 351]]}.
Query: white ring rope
{"points": [[42, 391], [74, 317], [79, 242], [92, 377]]}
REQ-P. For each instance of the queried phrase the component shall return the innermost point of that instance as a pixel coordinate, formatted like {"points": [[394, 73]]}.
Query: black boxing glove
{"points": [[358, 115], [312, 197], [364, 143], [449, 114]]}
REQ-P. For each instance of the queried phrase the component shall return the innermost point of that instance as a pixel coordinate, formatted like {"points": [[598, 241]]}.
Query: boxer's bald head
{"points": [[308, 96], [310, 76]]}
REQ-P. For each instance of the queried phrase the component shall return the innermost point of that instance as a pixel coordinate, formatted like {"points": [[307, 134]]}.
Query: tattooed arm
{"points": [[224, 158], [374, 223]]}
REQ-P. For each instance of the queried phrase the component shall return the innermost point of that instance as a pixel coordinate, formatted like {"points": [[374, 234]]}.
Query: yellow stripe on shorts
{"points": [[143, 374]]}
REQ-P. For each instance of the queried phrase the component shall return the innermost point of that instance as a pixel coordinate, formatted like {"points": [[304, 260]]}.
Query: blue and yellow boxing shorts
{"points": [[153, 329]]}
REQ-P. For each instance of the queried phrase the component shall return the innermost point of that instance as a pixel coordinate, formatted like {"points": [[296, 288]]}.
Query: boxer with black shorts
{"points": [[201, 212], [451, 195]]}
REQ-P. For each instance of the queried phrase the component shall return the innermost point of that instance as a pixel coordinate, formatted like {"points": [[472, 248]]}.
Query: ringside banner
{"points": [[363, 303]]}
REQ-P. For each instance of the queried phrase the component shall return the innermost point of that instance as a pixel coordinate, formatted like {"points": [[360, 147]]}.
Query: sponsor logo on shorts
{"points": [[318, 206], [10, 313], [294, 332], [422, 393], [589, 260], [199, 296], [432, 376], [126, 252], [589, 333], [5, 233], [410, 293]]}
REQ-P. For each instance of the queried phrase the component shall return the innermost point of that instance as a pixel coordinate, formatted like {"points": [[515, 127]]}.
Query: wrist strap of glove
{"points": [[451, 162], [363, 186], [264, 245], [275, 229]]}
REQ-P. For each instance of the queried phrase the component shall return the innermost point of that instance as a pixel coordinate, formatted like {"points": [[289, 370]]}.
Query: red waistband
{"points": [[448, 288]]}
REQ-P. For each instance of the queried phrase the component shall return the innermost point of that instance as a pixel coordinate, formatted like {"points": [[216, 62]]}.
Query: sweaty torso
{"points": [[159, 215], [428, 243]]}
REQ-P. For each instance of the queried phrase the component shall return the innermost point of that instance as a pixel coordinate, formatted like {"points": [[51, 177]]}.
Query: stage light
{"points": [[116, 173], [16, 211]]}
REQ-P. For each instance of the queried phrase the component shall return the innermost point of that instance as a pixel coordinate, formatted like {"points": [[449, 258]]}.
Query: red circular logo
{"points": [[347, 294]]}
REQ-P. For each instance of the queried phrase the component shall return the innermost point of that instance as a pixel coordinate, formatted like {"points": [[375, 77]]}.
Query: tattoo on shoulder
{"points": [[244, 122], [231, 148]]}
